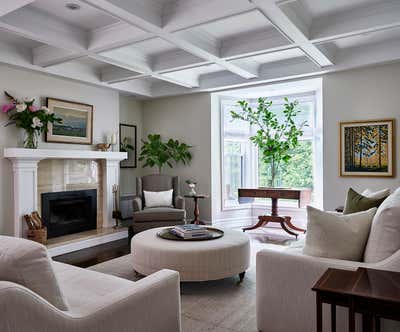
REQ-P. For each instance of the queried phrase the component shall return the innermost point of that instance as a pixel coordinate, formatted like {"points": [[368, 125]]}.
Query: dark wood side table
{"points": [[196, 207], [373, 293], [303, 196]]}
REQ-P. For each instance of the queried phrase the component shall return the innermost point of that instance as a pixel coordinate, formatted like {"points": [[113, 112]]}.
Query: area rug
{"points": [[221, 306]]}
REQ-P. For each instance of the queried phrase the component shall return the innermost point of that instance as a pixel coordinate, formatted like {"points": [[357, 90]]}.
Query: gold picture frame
{"points": [[367, 148], [77, 122]]}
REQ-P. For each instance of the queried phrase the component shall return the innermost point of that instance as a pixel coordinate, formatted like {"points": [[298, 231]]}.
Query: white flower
{"points": [[29, 99], [46, 110], [36, 123], [21, 107]]}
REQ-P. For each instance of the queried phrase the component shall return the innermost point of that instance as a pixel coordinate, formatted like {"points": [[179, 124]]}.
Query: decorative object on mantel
{"points": [[27, 116], [113, 141], [103, 147], [366, 148], [192, 187], [116, 213], [277, 134], [36, 230], [77, 122], [128, 143], [157, 153]]}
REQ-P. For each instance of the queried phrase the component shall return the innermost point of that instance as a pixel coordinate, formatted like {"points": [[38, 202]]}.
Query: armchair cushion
{"points": [[159, 214], [26, 263], [180, 202], [158, 198], [356, 202]]}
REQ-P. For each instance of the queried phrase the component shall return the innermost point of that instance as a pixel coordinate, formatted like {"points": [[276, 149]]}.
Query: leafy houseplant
{"points": [[32, 119], [157, 153], [275, 138]]}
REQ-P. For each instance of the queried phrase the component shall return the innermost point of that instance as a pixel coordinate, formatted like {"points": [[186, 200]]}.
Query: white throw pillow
{"points": [[26, 263], [384, 238], [337, 236], [376, 194], [158, 198]]}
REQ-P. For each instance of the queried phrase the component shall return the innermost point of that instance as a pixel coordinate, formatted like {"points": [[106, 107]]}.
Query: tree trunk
{"points": [[361, 147], [379, 147]]}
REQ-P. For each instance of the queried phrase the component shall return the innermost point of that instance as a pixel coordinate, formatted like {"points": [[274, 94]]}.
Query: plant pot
{"points": [[31, 139]]}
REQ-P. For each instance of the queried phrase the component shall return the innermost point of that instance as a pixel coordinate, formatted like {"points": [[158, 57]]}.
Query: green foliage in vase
{"points": [[275, 138], [157, 153]]}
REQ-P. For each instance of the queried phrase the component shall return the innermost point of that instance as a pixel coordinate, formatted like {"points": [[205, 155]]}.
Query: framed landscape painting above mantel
{"points": [[77, 122], [367, 148]]}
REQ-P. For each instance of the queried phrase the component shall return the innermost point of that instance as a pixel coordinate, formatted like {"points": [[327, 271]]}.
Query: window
{"points": [[241, 162]]}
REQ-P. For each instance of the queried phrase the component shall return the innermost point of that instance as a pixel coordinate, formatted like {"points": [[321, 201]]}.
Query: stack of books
{"points": [[190, 231]]}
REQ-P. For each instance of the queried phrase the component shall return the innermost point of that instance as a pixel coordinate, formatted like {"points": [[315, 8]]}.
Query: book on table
{"points": [[190, 231]]}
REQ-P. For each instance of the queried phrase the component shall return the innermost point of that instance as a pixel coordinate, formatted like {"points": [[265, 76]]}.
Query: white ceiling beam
{"points": [[350, 58], [288, 28], [374, 17], [36, 25], [21, 57], [126, 12], [8, 6]]}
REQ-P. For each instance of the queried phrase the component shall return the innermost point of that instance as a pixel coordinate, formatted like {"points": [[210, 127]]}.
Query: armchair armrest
{"points": [[137, 204], [180, 202], [151, 304]]}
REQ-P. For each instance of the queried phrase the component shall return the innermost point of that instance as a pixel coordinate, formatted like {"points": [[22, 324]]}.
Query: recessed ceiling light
{"points": [[72, 6]]}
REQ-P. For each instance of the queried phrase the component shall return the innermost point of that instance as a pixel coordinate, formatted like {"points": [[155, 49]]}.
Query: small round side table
{"points": [[196, 207]]}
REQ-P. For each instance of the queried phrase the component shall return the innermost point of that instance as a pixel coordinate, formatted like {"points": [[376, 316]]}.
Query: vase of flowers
{"points": [[192, 187], [25, 115]]}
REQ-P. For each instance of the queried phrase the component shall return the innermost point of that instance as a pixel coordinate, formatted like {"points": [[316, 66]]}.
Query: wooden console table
{"points": [[373, 293], [301, 195]]}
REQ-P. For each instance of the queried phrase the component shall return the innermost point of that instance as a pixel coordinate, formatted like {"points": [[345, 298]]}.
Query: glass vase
{"points": [[31, 139]]}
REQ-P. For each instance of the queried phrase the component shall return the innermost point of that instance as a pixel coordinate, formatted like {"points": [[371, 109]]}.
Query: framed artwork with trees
{"points": [[367, 148]]}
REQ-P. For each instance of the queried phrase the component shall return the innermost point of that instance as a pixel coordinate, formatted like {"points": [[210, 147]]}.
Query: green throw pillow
{"points": [[356, 202]]}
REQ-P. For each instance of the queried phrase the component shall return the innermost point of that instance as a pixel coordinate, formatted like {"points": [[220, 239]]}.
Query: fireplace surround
{"points": [[69, 212]]}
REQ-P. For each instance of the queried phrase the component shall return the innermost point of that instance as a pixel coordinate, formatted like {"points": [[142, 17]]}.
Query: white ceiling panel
{"points": [[237, 24], [277, 56], [87, 17], [328, 7]]}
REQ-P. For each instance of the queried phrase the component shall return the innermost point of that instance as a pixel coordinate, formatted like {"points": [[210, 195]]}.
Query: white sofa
{"points": [[77, 299], [285, 301]]}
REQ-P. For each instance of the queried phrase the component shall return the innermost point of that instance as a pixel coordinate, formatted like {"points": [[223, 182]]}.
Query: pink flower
{"points": [[7, 107], [33, 108]]}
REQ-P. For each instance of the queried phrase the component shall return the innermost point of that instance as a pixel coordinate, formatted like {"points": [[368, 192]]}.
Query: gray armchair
{"points": [[146, 218]]}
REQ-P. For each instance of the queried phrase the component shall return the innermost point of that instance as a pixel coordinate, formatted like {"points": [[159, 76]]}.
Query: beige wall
{"points": [[23, 83], [363, 94], [131, 112], [186, 118]]}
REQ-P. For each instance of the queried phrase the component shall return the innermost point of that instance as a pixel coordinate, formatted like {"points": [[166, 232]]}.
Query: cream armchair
{"points": [[86, 300]]}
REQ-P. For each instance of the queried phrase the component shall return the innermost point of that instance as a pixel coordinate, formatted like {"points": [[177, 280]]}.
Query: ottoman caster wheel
{"points": [[241, 277]]}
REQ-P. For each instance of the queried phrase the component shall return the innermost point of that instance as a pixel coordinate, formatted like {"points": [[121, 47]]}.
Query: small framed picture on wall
{"points": [[367, 148], [127, 143]]}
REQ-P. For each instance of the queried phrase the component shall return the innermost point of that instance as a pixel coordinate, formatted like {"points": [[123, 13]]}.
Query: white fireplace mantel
{"points": [[25, 165]]}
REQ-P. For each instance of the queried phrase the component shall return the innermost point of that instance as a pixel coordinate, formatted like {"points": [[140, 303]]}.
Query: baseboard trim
{"points": [[87, 243]]}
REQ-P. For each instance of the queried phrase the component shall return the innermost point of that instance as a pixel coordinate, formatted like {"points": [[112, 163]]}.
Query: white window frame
{"points": [[253, 159]]}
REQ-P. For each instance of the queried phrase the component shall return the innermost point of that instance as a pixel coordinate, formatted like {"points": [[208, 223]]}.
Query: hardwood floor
{"points": [[95, 255]]}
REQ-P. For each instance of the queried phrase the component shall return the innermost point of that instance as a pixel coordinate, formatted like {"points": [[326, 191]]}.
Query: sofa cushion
{"points": [[337, 236], [27, 263], [356, 202], [384, 238], [383, 193], [159, 214]]}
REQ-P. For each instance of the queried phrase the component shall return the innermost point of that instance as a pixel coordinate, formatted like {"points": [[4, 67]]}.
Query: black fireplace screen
{"points": [[69, 212]]}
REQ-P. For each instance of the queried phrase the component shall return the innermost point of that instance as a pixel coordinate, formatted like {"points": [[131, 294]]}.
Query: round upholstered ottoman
{"points": [[194, 260]]}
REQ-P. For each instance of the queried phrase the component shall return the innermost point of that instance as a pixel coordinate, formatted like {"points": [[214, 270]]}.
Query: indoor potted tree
{"points": [[274, 138], [156, 153]]}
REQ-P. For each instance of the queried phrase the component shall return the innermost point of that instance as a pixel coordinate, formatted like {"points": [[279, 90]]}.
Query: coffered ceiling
{"points": [[153, 48]]}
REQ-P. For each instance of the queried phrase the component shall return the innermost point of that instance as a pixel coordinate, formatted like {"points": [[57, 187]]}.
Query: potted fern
{"points": [[275, 138], [157, 153]]}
